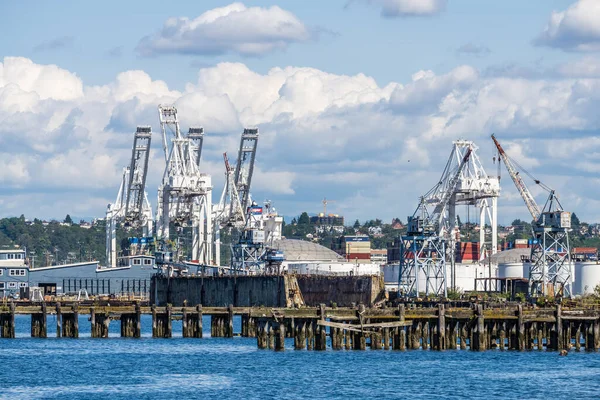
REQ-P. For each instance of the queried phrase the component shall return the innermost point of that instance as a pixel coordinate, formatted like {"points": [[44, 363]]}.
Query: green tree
{"points": [[68, 220], [574, 220], [304, 219], [356, 224]]}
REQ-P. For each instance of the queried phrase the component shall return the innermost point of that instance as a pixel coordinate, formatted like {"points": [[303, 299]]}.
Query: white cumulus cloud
{"points": [[373, 148], [575, 29], [404, 8], [249, 31]]}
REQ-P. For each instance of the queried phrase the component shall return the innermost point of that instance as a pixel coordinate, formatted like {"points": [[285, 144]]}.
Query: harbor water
{"points": [[222, 368]]}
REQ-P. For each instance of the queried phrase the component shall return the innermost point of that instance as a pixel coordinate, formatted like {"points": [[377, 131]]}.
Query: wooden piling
{"points": [[417, 330], [39, 328], [70, 323], [138, 319], [321, 333], [270, 335], [198, 321], [386, 338], [567, 336], [279, 336], [7, 322], [376, 340], [529, 335], [58, 319], [229, 322], [359, 341], [540, 336], [333, 337], [131, 323], [261, 336], [441, 328], [452, 334], [589, 340], [520, 329], [162, 326], [169, 318], [299, 336], [245, 322], [502, 335], [425, 335], [348, 340], [93, 321], [400, 332], [478, 343], [185, 325]]}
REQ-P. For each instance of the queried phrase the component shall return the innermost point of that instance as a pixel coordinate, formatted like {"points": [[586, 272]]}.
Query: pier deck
{"points": [[438, 327]]}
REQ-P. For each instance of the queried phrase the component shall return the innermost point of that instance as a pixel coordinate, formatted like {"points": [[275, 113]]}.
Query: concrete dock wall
{"points": [[342, 290], [242, 291], [268, 291]]}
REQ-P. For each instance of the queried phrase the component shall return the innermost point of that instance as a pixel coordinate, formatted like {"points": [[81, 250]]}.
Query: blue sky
{"points": [[344, 93], [354, 37]]}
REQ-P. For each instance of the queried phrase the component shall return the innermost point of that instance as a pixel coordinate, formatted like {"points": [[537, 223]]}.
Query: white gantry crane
{"points": [[235, 198], [550, 264], [185, 194], [425, 247], [474, 187], [131, 208]]}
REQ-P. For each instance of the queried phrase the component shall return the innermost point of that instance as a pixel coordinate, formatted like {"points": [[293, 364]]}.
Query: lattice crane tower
{"points": [[550, 262], [424, 248], [131, 207], [185, 194]]}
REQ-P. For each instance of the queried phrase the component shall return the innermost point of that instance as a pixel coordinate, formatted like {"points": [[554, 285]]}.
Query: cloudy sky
{"points": [[356, 100]]}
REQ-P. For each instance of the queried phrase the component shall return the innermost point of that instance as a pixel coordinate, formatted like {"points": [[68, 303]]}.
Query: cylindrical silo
{"points": [[587, 276], [511, 270]]}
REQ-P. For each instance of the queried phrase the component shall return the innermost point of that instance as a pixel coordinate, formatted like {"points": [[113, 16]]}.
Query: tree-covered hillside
{"points": [[54, 242]]}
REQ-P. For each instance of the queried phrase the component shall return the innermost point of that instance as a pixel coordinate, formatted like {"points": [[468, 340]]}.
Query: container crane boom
{"points": [[245, 165], [532, 206], [131, 206], [438, 212]]}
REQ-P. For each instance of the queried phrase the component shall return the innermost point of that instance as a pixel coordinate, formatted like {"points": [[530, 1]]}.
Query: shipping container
{"points": [[359, 256]]}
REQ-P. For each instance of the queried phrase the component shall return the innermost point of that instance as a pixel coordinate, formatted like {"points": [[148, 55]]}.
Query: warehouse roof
{"points": [[301, 250], [509, 256]]}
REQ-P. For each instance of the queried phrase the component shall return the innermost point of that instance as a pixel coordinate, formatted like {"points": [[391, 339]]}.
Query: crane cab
{"points": [[555, 219]]}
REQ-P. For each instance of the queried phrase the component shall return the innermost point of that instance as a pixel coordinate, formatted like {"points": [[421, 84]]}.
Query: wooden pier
{"points": [[475, 327]]}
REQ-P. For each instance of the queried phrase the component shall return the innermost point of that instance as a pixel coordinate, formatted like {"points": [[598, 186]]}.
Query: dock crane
{"points": [[423, 250], [131, 208], [232, 209], [185, 194], [550, 262]]}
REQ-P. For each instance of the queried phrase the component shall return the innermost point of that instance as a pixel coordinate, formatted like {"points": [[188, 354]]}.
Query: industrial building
{"points": [[328, 223], [303, 257], [355, 248]]}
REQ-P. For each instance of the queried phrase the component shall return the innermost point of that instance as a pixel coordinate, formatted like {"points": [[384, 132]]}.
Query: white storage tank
{"points": [[526, 267], [587, 276], [391, 273], [511, 270]]}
